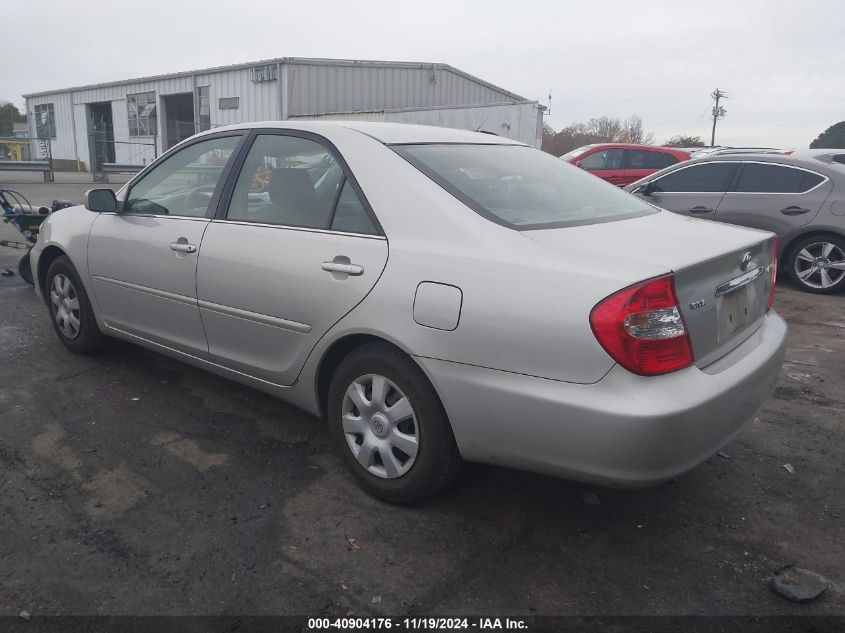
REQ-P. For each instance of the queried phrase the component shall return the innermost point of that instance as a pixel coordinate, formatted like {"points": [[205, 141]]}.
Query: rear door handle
{"points": [[700, 209], [183, 247], [794, 211], [348, 269]]}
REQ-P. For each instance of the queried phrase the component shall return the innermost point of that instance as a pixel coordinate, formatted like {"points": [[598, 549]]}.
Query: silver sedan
{"points": [[438, 295]]}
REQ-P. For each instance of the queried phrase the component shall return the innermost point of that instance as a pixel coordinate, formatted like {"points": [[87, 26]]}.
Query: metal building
{"points": [[132, 121]]}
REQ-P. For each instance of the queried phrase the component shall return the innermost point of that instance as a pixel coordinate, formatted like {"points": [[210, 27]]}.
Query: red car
{"points": [[624, 163]]}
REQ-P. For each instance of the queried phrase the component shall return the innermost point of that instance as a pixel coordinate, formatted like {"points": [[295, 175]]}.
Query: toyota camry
{"points": [[438, 295]]}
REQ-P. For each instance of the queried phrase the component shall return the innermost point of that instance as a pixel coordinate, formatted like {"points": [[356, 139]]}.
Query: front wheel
{"points": [[817, 264], [390, 426], [70, 310]]}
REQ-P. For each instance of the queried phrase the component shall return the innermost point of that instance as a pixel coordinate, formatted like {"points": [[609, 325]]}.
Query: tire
{"points": [[815, 264], [68, 303], [25, 269], [404, 477]]}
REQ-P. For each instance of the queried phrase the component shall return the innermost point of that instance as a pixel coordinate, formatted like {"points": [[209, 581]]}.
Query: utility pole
{"points": [[718, 112]]}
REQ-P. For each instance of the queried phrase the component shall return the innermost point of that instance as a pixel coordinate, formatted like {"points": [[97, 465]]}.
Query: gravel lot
{"points": [[133, 484]]}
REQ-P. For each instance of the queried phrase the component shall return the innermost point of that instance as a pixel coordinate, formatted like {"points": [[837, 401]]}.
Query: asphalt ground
{"points": [[134, 484]]}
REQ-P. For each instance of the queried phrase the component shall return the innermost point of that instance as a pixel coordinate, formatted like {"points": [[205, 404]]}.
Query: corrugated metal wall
{"points": [[327, 88]]}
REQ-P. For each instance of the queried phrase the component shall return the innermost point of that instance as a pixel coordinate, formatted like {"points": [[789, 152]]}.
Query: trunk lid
{"points": [[722, 272]]}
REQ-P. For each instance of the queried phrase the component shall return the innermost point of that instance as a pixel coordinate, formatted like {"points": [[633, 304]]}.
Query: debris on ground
{"points": [[353, 544], [789, 468], [135, 399], [723, 455], [798, 585], [590, 498], [376, 600], [263, 505], [26, 615]]}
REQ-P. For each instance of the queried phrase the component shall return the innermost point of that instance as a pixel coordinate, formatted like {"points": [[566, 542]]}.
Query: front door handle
{"points": [[794, 211], [343, 268], [700, 209], [183, 247]]}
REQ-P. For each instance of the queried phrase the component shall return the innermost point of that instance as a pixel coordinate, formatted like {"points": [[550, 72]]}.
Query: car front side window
{"points": [[703, 178], [602, 159], [184, 183]]}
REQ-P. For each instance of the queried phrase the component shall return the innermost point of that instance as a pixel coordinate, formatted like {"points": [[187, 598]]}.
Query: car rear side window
{"points": [[521, 187], [767, 178], [602, 159], [703, 178], [645, 159], [287, 180], [668, 160]]}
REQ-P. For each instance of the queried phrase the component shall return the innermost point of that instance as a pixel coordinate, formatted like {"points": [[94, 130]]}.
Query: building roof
{"points": [[290, 60]]}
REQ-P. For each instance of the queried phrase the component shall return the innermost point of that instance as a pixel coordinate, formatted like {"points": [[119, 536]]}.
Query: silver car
{"points": [[438, 295], [800, 197]]}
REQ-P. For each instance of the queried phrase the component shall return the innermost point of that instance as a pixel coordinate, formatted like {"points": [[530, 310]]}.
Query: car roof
{"points": [[661, 148], [823, 155], [805, 162], [388, 133]]}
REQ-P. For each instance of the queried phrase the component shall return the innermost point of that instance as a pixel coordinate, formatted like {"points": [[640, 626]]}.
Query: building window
{"points": [[229, 103], [142, 114], [45, 121], [203, 108]]}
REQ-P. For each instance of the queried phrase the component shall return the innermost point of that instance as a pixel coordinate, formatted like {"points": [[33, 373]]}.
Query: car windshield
{"points": [[522, 187]]}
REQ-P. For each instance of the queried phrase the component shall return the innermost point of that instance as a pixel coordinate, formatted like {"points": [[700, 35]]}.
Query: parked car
{"points": [[439, 295], [624, 163], [799, 197]]}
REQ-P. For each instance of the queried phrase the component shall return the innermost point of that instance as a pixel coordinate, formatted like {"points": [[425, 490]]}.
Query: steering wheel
{"points": [[193, 200]]}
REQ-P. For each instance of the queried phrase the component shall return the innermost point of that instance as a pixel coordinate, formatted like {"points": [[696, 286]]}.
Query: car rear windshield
{"points": [[521, 187]]}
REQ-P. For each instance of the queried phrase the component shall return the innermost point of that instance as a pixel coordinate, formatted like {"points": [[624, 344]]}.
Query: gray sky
{"points": [[780, 61]]}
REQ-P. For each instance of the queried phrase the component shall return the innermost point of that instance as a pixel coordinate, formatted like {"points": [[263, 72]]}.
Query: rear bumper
{"points": [[624, 430]]}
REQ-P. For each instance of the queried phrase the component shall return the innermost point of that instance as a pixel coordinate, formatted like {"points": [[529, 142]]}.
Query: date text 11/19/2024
{"points": [[416, 624]]}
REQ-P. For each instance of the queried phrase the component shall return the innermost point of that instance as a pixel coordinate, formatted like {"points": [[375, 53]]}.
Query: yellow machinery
{"points": [[14, 147]]}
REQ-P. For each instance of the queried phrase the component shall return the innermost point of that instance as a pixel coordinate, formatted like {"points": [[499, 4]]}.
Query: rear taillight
{"points": [[774, 269], [642, 329]]}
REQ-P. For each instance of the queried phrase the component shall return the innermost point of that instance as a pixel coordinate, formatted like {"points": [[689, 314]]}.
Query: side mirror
{"points": [[101, 201], [645, 190]]}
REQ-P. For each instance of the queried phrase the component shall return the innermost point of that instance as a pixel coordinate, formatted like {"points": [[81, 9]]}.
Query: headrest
{"points": [[292, 188]]}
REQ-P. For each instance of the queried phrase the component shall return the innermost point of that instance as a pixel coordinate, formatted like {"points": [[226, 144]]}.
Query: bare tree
{"points": [[603, 129], [607, 129], [633, 132]]}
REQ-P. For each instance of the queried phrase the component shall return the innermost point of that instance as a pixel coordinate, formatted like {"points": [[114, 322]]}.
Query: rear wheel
{"points": [[70, 310], [390, 426], [817, 264]]}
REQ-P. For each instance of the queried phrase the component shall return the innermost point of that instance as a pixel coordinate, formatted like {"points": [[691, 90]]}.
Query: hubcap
{"points": [[380, 426], [65, 303], [820, 265]]}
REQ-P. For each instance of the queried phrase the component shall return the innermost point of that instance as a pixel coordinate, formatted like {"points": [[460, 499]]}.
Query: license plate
{"points": [[735, 312]]}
